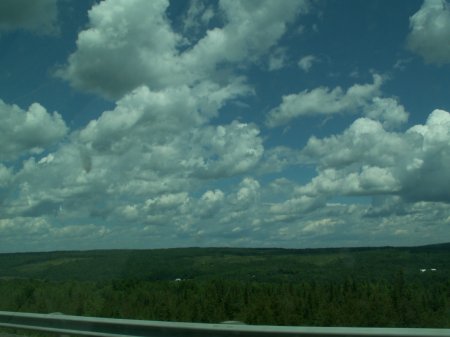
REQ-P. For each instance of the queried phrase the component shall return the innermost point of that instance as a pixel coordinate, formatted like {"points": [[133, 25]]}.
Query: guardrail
{"points": [[107, 327]]}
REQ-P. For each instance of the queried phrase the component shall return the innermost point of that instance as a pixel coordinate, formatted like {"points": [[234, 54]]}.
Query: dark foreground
{"points": [[341, 287]]}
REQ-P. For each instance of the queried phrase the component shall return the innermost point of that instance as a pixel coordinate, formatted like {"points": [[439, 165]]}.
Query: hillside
{"points": [[229, 263], [311, 287]]}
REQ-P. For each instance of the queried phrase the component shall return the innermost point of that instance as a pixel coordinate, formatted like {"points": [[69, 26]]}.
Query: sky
{"points": [[240, 123]]}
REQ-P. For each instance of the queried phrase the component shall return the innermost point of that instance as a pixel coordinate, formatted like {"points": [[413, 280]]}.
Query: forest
{"points": [[377, 287]]}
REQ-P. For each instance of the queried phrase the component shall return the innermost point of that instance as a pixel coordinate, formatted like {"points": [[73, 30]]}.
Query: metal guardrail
{"points": [[108, 327]]}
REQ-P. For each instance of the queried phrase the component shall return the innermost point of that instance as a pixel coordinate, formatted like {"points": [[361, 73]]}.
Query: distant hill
{"points": [[271, 264]]}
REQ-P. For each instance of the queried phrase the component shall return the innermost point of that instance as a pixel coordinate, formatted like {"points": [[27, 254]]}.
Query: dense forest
{"points": [[357, 287]]}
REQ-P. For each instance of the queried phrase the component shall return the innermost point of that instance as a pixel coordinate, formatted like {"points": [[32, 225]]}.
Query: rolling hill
{"points": [[273, 264]]}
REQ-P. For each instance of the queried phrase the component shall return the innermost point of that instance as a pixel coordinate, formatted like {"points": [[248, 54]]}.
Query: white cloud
{"points": [[198, 15], [147, 203], [226, 150], [162, 138], [15, 227], [131, 43], [164, 112], [210, 204], [424, 219], [46, 159], [25, 132], [340, 225], [323, 101], [163, 212], [367, 160], [212, 196], [249, 190], [402, 63], [430, 31], [128, 44], [37, 16], [322, 226], [277, 59], [5, 175], [43, 187], [154, 116], [295, 206], [427, 173], [82, 231], [388, 110], [160, 143], [160, 169], [306, 62], [356, 144], [252, 28], [39, 233], [370, 180], [275, 159], [165, 201]]}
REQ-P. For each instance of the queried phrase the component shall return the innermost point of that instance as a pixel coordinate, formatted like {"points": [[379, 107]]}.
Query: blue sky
{"points": [[147, 124]]}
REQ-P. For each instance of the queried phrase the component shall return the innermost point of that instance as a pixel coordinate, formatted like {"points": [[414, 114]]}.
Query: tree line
{"points": [[349, 302]]}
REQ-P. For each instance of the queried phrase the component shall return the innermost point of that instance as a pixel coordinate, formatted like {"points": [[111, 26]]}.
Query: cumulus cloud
{"points": [[214, 215], [323, 101], [355, 144], [140, 197], [252, 28], [139, 162], [161, 144], [39, 233], [430, 31], [368, 181], [37, 16], [25, 132], [5, 175], [212, 196], [154, 116], [198, 15], [322, 226], [164, 212], [388, 111], [166, 201], [368, 160], [295, 206], [57, 180], [306, 62], [131, 43], [275, 159], [248, 190], [166, 133], [307, 221], [226, 150], [160, 169], [387, 221], [277, 59], [127, 44]]}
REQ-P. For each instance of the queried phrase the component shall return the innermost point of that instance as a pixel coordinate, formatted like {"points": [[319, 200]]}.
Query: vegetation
{"points": [[326, 287]]}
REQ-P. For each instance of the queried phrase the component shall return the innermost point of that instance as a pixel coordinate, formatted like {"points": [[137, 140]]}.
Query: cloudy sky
{"points": [[294, 123]]}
